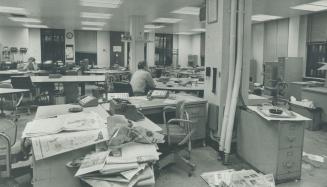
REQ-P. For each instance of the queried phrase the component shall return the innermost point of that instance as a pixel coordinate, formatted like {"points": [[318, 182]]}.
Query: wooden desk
{"points": [[6, 91], [319, 97]]}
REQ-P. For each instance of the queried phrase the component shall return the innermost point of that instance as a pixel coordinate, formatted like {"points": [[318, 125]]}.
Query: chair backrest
{"points": [[180, 109], [5, 148], [21, 82], [123, 87], [9, 128]]}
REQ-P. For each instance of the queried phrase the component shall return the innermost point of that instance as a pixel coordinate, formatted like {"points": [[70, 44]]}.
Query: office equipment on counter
{"points": [[158, 94], [123, 96], [88, 101], [123, 107], [270, 144]]}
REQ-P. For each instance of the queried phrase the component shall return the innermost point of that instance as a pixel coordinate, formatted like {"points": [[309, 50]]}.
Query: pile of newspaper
{"points": [[242, 178]]}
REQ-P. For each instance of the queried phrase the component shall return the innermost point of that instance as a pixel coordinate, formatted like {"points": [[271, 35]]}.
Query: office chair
{"points": [[24, 82], [178, 132], [71, 90], [123, 87]]}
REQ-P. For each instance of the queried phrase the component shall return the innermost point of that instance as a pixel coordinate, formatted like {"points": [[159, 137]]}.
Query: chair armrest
{"points": [[179, 120], [8, 161], [169, 108]]}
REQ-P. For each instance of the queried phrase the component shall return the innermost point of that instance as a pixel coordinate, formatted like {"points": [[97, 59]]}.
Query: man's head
{"points": [[141, 65], [31, 59]]}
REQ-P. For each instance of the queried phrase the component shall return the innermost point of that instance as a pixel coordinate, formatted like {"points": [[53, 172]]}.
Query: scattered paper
{"points": [[92, 162], [314, 157]]}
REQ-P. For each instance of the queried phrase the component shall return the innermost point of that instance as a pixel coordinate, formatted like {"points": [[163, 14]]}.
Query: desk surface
{"points": [[173, 85], [103, 71], [11, 90], [68, 78], [44, 112], [17, 72], [322, 90]]}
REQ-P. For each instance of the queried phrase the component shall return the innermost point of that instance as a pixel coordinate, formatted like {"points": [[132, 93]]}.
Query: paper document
{"points": [[92, 162], [50, 145]]}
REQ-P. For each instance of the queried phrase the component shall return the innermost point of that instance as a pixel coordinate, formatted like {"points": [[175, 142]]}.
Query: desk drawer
{"points": [[289, 161], [291, 134], [196, 110]]}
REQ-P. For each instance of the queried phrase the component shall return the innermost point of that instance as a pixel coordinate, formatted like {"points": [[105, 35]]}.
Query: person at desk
{"points": [[141, 80], [30, 65]]}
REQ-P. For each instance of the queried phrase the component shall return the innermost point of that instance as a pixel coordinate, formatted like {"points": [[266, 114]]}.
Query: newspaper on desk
{"points": [[50, 145], [242, 178]]}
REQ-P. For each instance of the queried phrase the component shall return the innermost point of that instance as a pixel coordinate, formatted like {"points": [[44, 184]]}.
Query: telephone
{"points": [[88, 101], [162, 94]]}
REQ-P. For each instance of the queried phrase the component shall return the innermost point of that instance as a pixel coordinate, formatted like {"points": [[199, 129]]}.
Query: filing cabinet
{"points": [[271, 146]]}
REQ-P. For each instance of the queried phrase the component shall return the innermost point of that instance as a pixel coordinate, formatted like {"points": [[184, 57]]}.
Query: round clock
{"points": [[69, 35]]}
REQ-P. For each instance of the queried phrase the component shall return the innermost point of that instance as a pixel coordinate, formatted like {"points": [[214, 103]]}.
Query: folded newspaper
{"points": [[242, 178]]}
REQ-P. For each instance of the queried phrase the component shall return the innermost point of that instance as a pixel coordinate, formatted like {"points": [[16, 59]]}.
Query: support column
{"points": [[293, 36], [136, 29], [125, 53], [150, 49]]}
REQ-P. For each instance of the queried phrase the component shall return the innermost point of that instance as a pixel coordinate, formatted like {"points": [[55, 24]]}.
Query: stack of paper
{"points": [[243, 178], [127, 166]]}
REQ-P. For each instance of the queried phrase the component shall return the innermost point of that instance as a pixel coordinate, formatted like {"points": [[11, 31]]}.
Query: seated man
{"points": [[30, 65], [141, 80]]}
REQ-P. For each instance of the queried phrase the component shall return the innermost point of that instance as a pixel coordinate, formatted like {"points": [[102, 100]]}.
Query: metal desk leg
{"points": [[83, 88], [2, 113]]}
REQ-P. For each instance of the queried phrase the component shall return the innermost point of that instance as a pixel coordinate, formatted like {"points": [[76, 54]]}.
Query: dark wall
{"points": [[115, 40], [53, 44]]}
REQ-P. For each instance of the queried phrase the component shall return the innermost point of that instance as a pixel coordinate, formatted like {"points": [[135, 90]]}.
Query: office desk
{"points": [[52, 171], [295, 88], [6, 91], [319, 97], [118, 74], [6, 74], [81, 79], [195, 106], [195, 86]]}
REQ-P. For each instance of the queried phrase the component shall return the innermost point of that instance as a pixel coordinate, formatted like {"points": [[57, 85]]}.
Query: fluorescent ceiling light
{"points": [[319, 3], [93, 23], [95, 15], [188, 10], [35, 26], [22, 19], [91, 28], [199, 30], [185, 33], [101, 3], [263, 17], [153, 26], [147, 30], [309, 7], [167, 20], [12, 10]]}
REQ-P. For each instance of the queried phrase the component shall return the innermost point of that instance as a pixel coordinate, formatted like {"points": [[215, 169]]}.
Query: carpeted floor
{"points": [[313, 174]]}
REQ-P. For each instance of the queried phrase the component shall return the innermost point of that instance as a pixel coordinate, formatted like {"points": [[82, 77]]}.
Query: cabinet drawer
{"points": [[291, 134], [196, 110], [289, 161], [199, 124]]}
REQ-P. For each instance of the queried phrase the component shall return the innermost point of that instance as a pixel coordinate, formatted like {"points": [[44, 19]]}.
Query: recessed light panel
{"points": [[101, 3], [309, 7], [27, 20], [319, 3], [199, 30], [184, 33], [263, 17], [13, 10], [188, 10], [90, 23], [91, 28], [153, 26], [95, 15], [35, 26], [167, 20]]}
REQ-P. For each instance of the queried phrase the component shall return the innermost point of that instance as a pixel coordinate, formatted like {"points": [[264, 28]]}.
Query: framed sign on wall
{"points": [[69, 51], [212, 11]]}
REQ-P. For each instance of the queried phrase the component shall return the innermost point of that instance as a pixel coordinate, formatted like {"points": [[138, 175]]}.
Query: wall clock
{"points": [[69, 35]]}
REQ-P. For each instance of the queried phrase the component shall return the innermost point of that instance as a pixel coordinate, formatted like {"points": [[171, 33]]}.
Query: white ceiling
{"points": [[66, 13]]}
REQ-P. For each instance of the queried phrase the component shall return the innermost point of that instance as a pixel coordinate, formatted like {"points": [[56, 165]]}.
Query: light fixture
{"points": [[187, 10], [91, 23], [91, 28], [146, 31], [13, 10], [35, 26], [319, 3], [264, 17], [309, 7], [184, 33], [167, 20], [101, 3], [95, 15], [153, 26], [199, 30], [22, 19]]}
